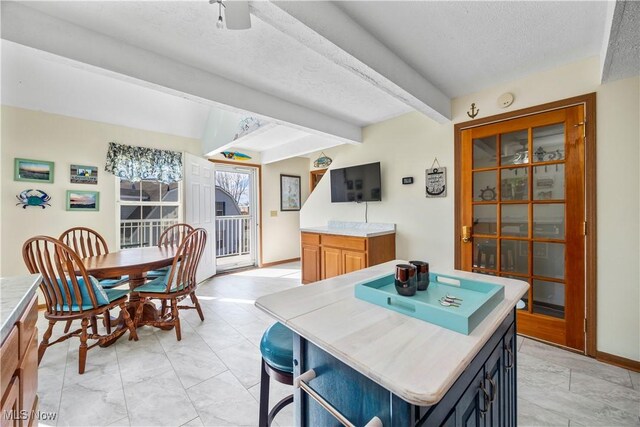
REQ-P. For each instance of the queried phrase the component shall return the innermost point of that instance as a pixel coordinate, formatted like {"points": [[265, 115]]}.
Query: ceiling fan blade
{"points": [[236, 15]]}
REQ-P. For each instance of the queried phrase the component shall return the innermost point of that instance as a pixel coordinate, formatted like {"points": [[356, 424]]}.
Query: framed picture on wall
{"points": [[83, 200], [290, 193], [33, 170], [83, 174]]}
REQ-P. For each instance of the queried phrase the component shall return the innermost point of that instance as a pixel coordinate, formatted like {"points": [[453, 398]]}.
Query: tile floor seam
{"points": [[191, 419], [64, 374], [126, 407], [207, 379]]}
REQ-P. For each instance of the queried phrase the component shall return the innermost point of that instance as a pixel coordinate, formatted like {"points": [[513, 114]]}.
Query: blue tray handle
{"points": [[401, 305]]}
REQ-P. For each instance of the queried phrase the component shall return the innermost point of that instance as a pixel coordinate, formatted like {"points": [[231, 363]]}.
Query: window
{"points": [[147, 208], [220, 208]]}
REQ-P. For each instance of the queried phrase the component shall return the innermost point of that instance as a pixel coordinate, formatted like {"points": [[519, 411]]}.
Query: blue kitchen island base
{"points": [[483, 395]]}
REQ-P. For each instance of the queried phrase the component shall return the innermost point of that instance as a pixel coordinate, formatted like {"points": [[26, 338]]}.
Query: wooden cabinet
{"points": [[19, 377], [329, 255]]}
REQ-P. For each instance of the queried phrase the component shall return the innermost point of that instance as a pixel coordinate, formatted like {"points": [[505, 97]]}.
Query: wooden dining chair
{"points": [[171, 236], [178, 284], [87, 242], [71, 294]]}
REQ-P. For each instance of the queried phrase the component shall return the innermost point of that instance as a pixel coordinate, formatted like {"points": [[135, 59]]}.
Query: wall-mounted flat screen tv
{"points": [[356, 184]]}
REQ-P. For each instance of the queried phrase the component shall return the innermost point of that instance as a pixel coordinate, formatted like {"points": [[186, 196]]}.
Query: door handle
{"points": [[466, 233]]}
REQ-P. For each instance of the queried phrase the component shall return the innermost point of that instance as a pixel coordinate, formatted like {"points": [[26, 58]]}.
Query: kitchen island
{"points": [[369, 362]]}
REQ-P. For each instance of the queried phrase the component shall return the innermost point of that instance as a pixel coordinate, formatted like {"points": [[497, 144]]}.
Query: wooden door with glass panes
{"points": [[522, 192]]}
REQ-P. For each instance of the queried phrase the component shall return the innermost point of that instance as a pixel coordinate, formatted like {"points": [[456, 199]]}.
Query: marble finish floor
{"points": [[212, 376]]}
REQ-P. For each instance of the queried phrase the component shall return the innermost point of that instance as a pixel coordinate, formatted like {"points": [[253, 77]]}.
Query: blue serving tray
{"points": [[479, 299]]}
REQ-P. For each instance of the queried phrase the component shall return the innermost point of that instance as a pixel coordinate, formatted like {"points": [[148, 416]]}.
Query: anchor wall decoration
{"points": [[473, 112]]}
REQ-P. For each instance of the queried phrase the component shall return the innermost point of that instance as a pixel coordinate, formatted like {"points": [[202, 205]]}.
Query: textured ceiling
{"points": [[261, 58], [463, 47], [623, 54]]}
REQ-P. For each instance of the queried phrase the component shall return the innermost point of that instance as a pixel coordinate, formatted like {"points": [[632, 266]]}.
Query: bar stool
{"points": [[276, 347]]}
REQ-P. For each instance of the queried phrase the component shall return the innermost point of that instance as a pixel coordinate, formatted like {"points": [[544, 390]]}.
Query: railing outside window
{"points": [[142, 233]]}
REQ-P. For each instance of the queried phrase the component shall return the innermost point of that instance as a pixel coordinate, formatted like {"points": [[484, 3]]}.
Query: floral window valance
{"points": [[140, 163]]}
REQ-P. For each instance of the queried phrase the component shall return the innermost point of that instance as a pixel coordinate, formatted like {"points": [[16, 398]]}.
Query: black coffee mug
{"points": [[422, 274], [405, 279]]}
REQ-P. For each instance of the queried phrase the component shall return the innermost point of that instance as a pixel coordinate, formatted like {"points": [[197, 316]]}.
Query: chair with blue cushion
{"points": [[276, 347], [178, 284], [71, 294], [86, 243], [172, 236]]}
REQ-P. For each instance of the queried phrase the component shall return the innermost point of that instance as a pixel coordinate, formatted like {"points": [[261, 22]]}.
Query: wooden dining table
{"points": [[135, 263]]}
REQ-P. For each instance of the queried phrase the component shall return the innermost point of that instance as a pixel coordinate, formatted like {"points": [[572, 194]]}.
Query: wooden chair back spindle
{"points": [[85, 241], [182, 276], [175, 235]]}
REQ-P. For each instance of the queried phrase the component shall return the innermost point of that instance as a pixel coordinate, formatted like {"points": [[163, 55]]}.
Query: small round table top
{"points": [[132, 262]]}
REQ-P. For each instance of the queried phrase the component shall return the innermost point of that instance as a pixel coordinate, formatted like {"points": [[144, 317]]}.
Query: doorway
{"points": [[522, 213], [236, 213]]}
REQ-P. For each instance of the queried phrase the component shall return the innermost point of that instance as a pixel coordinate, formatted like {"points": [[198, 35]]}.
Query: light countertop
{"points": [[355, 229], [15, 294], [416, 360]]}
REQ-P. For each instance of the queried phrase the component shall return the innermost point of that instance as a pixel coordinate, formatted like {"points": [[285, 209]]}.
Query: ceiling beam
{"points": [[106, 55], [299, 147], [325, 28], [620, 52]]}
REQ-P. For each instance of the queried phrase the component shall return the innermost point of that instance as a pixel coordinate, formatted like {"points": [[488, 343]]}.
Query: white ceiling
{"points": [[322, 69], [39, 81], [465, 46]]}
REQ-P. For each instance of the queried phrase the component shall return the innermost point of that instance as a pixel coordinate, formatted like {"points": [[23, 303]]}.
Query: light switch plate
{"points": [[274, 213]]}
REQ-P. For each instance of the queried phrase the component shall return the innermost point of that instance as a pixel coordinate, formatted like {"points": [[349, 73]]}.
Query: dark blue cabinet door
{"points": [[469, 411], [493, 376], [508, 386]]}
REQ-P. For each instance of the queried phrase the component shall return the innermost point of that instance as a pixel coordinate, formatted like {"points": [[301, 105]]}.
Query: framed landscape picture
{"points": [[84, 174], [290, 193], [33, 170], [83, 200]]}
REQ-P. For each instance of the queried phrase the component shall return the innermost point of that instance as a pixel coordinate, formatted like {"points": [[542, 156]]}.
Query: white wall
{"points": [[65, 141], [281, 233], [406, 146]]}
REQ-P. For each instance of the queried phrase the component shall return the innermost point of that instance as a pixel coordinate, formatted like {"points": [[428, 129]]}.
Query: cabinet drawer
{"points": [[310, 239], [9, 357], [342, 242], [29, 375], [27, 325]]}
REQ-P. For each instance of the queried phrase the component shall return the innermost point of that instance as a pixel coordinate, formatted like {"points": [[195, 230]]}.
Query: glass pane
{"points": [[151, 212], [548, 182], [484, 186], [548, 221], [525, 297], [170, 212], [484, 152], [514, 148], [548, 143], [514, 184], [484, 219], [484, 253], [514, 256], [548, 259], [128, 213], [515, 220], [150, 191], [548, 298], [129, 191], [487, 273], [169, 192]]}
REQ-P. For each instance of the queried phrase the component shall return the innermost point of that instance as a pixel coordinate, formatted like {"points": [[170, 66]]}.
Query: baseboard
{"points": [[284, 261], [623, 362]]}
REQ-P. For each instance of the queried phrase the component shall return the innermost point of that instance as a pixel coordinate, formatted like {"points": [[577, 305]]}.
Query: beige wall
{"points": [[64, 140], [407, 145], [281, 233]]}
